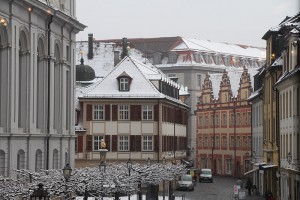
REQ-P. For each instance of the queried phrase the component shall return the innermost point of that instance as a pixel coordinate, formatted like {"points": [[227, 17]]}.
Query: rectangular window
{"points": [[147, 143], [231, 141], [238, 119], [147, 112], [244, 119], [98, 112], [212, 141], [249, 142], [231, 119], [212, 120], [124, 84], [123, 112], [68, 53], [244, 141], [200, 120], [200, 141], [97, 141], [217, 144], [123, 143], [238, 141], [199, 80], [205, 142], [206, 120], [203, 163], [224, 141], [249, 118], [224, 119], [217, 120]]}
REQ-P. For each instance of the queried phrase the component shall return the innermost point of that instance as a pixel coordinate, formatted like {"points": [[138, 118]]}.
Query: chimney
{"points": [[124, 45], [90, 46]]}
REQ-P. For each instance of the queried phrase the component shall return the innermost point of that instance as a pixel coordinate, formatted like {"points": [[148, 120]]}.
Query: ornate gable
{"points": [[207, 91], [225, 92], [245, 88]]}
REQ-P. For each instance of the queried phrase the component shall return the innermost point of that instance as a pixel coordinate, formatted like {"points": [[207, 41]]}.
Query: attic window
{"points": [[124, 84]]}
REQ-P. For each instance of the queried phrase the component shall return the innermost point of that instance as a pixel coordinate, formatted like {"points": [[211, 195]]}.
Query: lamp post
{"points": [[164, 163], [129, 167], [102, 168], [40, 193], [67, 171]]}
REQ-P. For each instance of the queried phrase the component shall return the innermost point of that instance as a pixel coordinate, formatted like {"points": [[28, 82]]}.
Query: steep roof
{"points": [[141, 85]]}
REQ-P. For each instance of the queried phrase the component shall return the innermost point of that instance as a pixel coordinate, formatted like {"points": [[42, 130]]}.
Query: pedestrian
{"points": [[269, 195], [249, 186], [239, 182]]}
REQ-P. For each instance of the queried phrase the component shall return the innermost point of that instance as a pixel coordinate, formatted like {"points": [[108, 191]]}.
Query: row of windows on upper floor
{"points": [[133, 113], [212, 58], [205, 141], [209, 121], [289, 103], [130, 143], [22, 162]]}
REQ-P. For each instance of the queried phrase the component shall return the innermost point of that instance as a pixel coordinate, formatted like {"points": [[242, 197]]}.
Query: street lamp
{"points": [[40, 193], [102, 168], [67, 170], [129, 167], [163, 161], [289, 158]]}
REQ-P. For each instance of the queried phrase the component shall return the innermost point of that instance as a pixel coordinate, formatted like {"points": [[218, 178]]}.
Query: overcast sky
{"points": [[232, 21]]}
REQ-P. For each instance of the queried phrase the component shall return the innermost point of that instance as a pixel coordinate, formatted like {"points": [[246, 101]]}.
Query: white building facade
{"points": [[37, 42]]}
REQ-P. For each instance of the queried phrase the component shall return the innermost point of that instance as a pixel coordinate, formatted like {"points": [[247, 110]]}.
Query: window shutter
{"points": [[89, 112], [135, 112], [138, 143], [114, 112], [156, 143], [80, 144], [107, 141], [107, 112], [132, 143], [156, 113], [114, 143], [89, 142]]}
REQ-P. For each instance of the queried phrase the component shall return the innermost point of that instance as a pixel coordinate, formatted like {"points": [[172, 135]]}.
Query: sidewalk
{"points": [[253, 196]]}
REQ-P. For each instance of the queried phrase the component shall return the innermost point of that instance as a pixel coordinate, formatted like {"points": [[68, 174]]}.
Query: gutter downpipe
{"points": [[48, 91], [214, 141], [234, 131]]}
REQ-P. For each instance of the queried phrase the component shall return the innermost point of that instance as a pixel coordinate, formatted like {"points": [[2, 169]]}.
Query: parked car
{"points": [[186, 182], [205, 175]]}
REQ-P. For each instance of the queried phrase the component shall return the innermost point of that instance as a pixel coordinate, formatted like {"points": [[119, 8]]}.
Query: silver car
{"points": [[206, 175], [185, 182]]}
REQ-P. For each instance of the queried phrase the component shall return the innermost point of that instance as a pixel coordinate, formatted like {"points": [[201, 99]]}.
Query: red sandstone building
{"points": [[223, 117]]}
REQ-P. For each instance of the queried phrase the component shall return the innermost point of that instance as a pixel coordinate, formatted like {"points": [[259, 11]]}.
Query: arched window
{"points": [[42, 88], [4, 68], [57, 86], [23, 79], [55, 159], [21, 163], [2, 163], [38, 160]]}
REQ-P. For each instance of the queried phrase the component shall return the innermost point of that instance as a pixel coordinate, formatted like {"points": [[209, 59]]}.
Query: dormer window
{"points": [[124, 81], [124, 84]]}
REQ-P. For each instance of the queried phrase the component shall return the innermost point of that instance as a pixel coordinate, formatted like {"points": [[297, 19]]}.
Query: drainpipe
{"points": [[48, 91], [158, 133], [234, 131], [214, 137]]}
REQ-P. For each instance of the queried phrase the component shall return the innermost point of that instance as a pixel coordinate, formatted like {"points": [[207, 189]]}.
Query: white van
{"points": [[205, 175]]}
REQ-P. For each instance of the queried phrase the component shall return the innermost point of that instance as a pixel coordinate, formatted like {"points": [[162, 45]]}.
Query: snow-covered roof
{"points": [[234, 75], [141, 86], [219, 47], [255, 94]]}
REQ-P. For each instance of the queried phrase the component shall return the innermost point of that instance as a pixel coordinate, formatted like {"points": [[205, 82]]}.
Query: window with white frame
{"points": [[2, 163], [98, 112], [55, 159], [231, 119], [224, 119], [224, 141], [124, 84], [217, 120], [147, 143], [232, 142], [238, 141], [217, 141], [21, 159], [123, 143], [205, 141], [123, 112], [38, 160], [97, 142], [244, 119], [200, 120], [147, 112]]}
